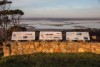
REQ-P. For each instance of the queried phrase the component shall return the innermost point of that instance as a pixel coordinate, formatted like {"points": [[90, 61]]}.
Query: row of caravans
{"points": [[50, 35]]}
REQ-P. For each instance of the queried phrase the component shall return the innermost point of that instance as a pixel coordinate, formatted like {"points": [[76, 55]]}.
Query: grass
{"points": [[52, 60], [1, 54]]}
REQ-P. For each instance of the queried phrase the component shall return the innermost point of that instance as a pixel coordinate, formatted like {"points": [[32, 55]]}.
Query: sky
{"points": [[58, 8]]}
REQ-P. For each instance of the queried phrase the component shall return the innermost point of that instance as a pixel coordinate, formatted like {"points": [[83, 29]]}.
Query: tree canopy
{"points": [[5, 2], [11, 12], [9, 18]]}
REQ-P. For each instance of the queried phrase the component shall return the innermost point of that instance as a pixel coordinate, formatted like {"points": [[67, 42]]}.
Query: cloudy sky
{"points": [[58, 8]]}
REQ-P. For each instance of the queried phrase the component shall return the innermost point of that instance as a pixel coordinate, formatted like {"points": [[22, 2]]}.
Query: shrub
{"points": [[52, 60]]}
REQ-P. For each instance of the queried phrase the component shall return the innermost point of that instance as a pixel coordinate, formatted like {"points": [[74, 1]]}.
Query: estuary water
{"points": [[55, 24]]}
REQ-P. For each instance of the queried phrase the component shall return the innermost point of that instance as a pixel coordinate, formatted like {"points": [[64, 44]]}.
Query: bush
{"points": [[52, 60]]}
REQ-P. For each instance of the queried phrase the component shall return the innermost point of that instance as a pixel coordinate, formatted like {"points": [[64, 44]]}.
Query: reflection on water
{"points": [[47, 24]]}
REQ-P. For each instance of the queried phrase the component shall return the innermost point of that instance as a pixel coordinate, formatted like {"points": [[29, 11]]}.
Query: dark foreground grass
{"points": [[52, 60]]}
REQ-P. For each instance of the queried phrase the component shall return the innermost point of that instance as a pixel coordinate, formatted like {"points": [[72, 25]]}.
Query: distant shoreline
{"points": [[84, 30], [61, 19]]}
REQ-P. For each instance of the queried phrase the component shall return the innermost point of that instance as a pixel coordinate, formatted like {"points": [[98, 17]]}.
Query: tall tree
{"points": [[8, 17], [4, 6]]}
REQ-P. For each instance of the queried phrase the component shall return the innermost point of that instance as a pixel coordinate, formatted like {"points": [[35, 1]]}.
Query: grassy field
{"points": [[52, 60]]}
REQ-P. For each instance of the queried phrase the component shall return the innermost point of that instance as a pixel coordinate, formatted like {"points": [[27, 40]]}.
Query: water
{"points": [[48, 24]]}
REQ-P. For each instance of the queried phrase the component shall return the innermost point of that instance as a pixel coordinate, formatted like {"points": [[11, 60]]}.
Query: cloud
{"points": [[23, 3], [56, 8], [62, 13], [20, 3]]}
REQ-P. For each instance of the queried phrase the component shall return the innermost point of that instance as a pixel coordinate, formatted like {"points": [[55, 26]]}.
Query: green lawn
{"points": [[52, 60]]}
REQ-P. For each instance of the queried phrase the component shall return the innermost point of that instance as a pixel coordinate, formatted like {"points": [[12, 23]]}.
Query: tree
{"points": [[9, 17], [12, 16], [15, 16], [4, 6]]}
